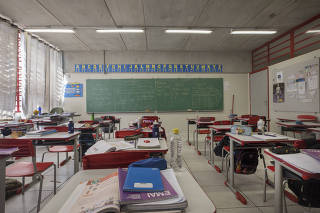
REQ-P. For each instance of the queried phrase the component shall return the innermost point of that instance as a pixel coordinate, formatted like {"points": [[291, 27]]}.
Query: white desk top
{"points": [[244, 139], [316, 130], [54, 136], [301, 163], [198, 201], [220, 127], [163, 145], [304, 124]]}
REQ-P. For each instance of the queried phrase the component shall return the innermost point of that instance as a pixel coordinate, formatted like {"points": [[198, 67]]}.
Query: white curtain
{"points": [[56, 79], [23, 73], [8, 69]]}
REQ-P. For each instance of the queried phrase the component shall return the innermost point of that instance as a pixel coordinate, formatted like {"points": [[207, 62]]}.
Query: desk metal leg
{"points": [[188, 134], [197, 140], [231, 168], [76, 155], [2, 183], [278, 199]]}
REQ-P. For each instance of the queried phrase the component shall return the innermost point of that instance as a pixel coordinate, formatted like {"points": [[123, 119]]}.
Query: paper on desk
{"points": [[103, 147], [302, 161]]}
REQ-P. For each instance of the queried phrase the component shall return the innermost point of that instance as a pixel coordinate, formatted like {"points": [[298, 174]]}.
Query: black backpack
{"points": [[246, 161], [307, 191]]}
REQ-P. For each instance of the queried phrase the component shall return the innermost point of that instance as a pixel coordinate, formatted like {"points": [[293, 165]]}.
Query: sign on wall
{"points": [[147, 68], [73, 90]]}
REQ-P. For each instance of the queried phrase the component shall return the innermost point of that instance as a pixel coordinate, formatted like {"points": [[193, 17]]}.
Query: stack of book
{"points": [[128, 191]]}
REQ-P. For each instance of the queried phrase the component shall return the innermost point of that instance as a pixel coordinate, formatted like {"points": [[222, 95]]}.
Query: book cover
{"points": [[141, 179], [142, 197], [314, 153]]}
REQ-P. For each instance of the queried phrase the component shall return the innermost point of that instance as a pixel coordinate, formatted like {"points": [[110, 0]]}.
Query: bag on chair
{"points": [[307, 191]]}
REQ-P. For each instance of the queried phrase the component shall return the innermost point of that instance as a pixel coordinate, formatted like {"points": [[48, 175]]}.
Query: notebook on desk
{"points": [[141, 179], [314, 153], [270, 137], [148, 143]]}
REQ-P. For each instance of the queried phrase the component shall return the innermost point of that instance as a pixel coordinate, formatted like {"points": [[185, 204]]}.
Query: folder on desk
{"points": [[141, 179]]}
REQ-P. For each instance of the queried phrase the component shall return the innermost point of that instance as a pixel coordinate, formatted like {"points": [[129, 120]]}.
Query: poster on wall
{"points": [[73, 90], [278, 93]]}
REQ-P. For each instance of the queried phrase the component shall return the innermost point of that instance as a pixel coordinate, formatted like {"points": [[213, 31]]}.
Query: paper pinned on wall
{"points": [[313, 82], [291, 84], [279, 77], [301, 86]]}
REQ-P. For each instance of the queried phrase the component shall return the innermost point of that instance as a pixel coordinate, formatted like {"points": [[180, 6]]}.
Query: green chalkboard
{"points": [[162, 95]]}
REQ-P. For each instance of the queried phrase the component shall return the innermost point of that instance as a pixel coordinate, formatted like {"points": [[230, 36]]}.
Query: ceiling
{"points": [[156, 15]]}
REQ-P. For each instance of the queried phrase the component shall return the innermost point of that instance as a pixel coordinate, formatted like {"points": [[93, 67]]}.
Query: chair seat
{"points": [[218, 138], [204, 131], [61, 149], [208, 138], [226, 148], [271, 168], [25, 169]]}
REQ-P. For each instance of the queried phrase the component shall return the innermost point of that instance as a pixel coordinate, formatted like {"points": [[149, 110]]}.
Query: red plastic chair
{"points": [[58, 149], [27, 169], [111, 160], [307, 117], [148, 120], [88, 121], [126, 132]]}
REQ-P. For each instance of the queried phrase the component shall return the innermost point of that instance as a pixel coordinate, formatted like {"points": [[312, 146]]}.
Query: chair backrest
{"points": [[307, 117], [58, 128], [206, 119], [25, 147], [223, 122], [111, 160], [88, 121], [245, 116], [253, 120], [147, 121], [126, 132]]}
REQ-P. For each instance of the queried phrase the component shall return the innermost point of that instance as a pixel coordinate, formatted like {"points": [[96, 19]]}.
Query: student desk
{"points": [[20, 126], [300, 164], [293, 125], [56, 139], [190, 121], [3, 158], [248, 142], [198, 201], [206, 124]]}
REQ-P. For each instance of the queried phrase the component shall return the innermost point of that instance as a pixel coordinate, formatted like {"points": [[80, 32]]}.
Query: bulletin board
{"points": [[73, 90], [295, 88]]}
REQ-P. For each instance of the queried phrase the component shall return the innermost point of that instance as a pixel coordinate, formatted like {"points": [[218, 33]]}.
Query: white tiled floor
{"points": [[211, 182]]}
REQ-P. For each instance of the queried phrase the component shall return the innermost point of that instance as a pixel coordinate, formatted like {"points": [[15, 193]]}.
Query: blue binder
{"points": [[141, 179]]}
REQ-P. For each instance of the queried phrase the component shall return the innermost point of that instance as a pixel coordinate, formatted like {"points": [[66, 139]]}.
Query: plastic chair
{"points": [[58, 149], [216, 137], [111, 160], [307, 117], [147, 121], [27, 169], [202, 129], [126, 132]]}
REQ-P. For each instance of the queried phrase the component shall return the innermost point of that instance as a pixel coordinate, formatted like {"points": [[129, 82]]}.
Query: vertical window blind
{"points": [[8, 69]]}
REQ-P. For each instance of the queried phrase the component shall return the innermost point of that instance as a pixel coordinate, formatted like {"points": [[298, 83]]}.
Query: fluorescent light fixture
{"points": [[49, 30], [120, 30], [189, 31], [253, 32], [313, 31]]}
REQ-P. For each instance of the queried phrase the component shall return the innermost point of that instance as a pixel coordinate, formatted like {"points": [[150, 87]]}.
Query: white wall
{"points": [[273, 114], [233, 83]]}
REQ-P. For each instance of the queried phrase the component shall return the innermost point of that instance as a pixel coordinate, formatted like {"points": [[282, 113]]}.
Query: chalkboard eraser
{"points": [[189, 110]]}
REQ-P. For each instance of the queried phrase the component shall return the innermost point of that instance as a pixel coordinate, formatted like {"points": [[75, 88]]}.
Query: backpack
{"points": [[246, 161], [307, 191], [225, 141]]}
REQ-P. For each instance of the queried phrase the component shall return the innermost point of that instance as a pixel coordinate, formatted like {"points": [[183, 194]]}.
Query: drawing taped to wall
{"points": [[278, 93]]}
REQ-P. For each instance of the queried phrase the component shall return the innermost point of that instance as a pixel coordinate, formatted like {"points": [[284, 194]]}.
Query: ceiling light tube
{"points": [[313, 31], [49, 30], [188, 31], [253, 32], [119, 30]]}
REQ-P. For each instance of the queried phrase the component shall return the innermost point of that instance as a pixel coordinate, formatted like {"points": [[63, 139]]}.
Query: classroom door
{"points": [[259, 93]]}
